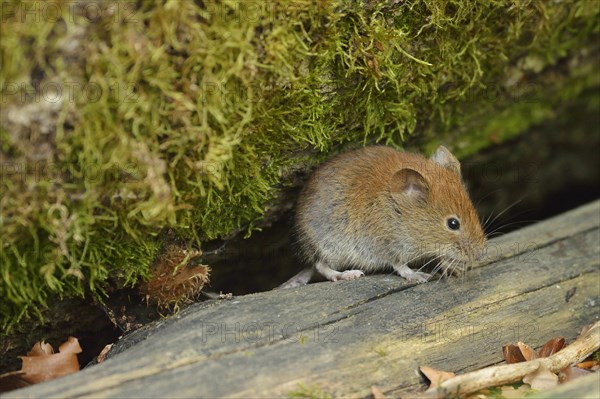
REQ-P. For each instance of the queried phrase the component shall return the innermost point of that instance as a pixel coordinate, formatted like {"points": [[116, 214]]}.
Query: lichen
{"points": [[192, 115]]}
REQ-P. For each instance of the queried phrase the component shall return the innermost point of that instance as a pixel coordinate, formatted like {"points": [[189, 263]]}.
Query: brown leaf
{"points": [[42, 364], [41, 349], [541, 379], [512, 354], [377, 394], [588, 364], [551, 347], [436, 377], [71, 346], [102, 356], [527, 351], [570, 373]]}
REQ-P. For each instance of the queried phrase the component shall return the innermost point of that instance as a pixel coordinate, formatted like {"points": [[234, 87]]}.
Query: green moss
{"points": [[310, 392], [542, 102], [193, 117]]}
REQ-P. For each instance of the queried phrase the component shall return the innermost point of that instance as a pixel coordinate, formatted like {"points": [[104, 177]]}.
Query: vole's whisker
{"points": [[487, 195], [488, 222], [451, 268], [437, 268], [433, 259], [487, 219], [512, 224]]}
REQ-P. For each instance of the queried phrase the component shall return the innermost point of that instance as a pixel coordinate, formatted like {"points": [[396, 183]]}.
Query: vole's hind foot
{"points": [[348, 275], [411, 275], [298, 280]]}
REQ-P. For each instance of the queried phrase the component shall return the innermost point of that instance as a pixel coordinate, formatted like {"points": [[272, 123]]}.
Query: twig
{"points": [[508, 373]]}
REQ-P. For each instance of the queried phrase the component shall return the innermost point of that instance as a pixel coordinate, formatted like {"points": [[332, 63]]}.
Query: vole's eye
{"points": [[453, 223]]}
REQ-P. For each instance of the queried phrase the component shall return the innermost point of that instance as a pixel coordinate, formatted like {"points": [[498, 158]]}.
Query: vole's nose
{"points": [[480, 252], [479, 255], [471, 251], [476, 252]]}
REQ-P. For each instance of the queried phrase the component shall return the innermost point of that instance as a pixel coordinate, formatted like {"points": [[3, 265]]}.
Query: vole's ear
{"points": [[443, 157], [409, 183]]}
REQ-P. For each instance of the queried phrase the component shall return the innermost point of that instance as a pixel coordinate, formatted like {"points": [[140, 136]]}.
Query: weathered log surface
{"points": [[341, 338], [583, 388]]}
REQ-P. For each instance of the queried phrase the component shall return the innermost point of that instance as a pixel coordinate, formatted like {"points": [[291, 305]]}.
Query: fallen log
{"points": [[339, 339]]}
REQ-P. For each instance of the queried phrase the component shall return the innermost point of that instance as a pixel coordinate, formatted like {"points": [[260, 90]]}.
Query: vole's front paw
{"points": [[418, 277], [411, 275], [348, 275]]}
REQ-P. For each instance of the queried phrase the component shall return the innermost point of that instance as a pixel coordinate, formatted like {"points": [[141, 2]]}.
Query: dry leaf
{"points": [[570, 373], [551, 347], [518, 353], [71, 346], [527, 351], [42, 364], [41, 349], [541, 379], [512, 354], [102, 356], [436, 377], [523, 352], [588, 364], [465, 384], [377, 394]]}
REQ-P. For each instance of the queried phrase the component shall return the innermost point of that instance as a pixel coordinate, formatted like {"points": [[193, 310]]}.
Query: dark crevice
{"points": [[378, 296]]}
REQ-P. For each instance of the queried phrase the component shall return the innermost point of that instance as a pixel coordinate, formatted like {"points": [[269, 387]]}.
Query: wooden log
{"points": [[583, 388], [339, 339]]}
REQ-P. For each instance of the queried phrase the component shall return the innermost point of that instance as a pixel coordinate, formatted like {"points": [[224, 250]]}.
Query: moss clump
{"points": [[309, 392], [191, 115]]}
